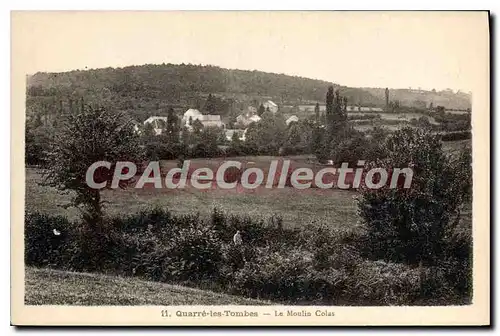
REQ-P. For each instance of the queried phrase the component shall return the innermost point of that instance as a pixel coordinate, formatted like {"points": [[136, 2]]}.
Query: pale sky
{"points": [[360, 49]]}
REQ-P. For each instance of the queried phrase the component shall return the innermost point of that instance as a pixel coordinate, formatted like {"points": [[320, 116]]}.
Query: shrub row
{"points": [[310, 265]]}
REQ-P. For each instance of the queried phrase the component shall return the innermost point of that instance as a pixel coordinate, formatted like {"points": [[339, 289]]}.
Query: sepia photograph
{"points": [[250, 168]]}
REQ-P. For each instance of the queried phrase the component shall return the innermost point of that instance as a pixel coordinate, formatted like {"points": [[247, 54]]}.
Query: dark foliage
{"points": [[311, 265]]}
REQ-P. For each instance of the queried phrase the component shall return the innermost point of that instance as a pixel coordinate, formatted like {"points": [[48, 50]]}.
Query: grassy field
{"points": [[332, 207], [51, 287]]}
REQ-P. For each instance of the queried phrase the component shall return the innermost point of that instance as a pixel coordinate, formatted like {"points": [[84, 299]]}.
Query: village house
{"points": [[247, 118], [292, 119], [207, 120], [272, 106]]}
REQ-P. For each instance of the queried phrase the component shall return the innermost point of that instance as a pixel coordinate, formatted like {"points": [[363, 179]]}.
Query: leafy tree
{"points": [[172, 127], [197, 126], [349, 149], [336, 129], [415, 224], [336, 112], [149, 132], [329, 104], [268, 135], [235, 138], [293, 137], [207, 145], [261, 110], [318, 144], [210, 104], [379, 134], [37, 141], [91, 135], [463, 166]]}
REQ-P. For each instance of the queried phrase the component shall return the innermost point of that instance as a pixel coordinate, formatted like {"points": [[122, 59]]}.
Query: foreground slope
{"points": [[52, 287]]}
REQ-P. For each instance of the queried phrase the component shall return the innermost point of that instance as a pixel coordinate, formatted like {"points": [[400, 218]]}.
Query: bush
{"points": [[354, 146], [311, 265], [275, 276], [410, 224], [164, 151], [384, 283], [37, 142], [202, 150], [156, 220], [42, 246], [194, 254], [457, 264], [77, 247]]}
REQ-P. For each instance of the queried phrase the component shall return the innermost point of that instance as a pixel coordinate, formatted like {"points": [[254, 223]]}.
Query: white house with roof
{"points": [[272, 106], [293, 118], [191, 113], [207, 120], [211, 120], [158, 123], [246, 119]]}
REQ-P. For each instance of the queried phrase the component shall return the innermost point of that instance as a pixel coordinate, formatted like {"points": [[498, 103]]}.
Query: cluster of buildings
{"points": [[243, 120], [214, 120]]}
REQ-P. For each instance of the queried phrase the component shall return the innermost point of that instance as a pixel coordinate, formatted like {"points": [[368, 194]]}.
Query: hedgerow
{"points": [[311, 265]]}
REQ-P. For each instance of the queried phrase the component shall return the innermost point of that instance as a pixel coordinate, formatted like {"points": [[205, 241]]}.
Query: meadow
{"points": [[333, 207]]}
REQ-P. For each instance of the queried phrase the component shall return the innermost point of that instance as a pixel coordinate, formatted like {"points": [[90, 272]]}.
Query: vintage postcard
{"points": [[239, 168]]}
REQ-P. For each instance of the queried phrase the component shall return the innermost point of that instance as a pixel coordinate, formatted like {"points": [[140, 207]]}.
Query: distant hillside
{"points": [[422, 98], [148, 89]]}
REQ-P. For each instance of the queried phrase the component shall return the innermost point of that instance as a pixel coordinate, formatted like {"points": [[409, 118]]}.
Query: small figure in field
{"points": [[237, 238], [238, 241]]}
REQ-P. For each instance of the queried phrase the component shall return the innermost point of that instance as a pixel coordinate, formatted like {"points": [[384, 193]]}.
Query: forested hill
{"points": [[148, 89], [153, 86]]}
